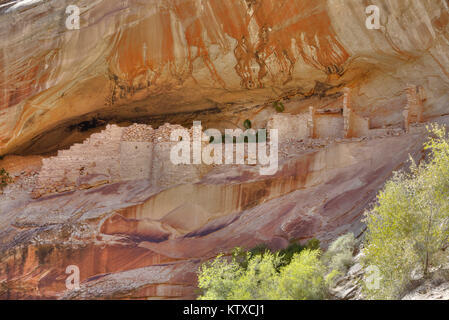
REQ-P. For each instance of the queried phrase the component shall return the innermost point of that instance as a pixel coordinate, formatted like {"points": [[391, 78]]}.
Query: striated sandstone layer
{"points": [[221, 62], [134, 240]]}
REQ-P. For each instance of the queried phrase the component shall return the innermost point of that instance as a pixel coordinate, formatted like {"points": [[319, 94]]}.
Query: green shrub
{"points": [[5, 179], [313, 244], [303, 278], [228, 279], [259, 280], [409, 225], [242, 257], [247, 124], [217, 279], [295, 247], [263, 278], [259, 250], [279, 106], [295, 272], [288, 253], [338, 256]]}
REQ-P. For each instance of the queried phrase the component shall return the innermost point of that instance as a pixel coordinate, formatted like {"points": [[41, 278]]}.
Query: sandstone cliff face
{"points": [[176, 60], [132, 239], [220, 62]]}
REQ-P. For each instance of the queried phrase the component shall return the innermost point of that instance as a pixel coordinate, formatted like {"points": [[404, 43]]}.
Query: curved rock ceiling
{"points": [[139, 59]]}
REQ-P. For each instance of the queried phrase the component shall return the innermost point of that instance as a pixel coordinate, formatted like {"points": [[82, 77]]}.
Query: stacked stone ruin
{"points": [[97, 158], [164, 172], [340, 121], [140, 152], [113, 155], [335, 121], [413, 111]]}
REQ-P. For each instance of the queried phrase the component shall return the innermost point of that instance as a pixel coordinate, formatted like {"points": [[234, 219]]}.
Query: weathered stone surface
{"points": [[158, 237], [221, 62], [174, 60], [431, 290]]}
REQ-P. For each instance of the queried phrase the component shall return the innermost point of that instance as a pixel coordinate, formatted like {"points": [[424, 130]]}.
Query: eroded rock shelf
{"points": [[86, 116]]}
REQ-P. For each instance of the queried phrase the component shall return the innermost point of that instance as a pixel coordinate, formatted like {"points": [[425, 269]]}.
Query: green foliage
{"points": [[279, 106], [258, 281], [5, 179], [338, 256], [263, 278], [259, 250], [295, 247], [303, 278], [286, 254], [295, 272], [247, 124], [218, 278], [410, 223], [313, 244]]}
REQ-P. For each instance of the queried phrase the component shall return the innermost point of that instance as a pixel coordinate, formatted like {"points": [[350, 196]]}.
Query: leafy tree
{"points": [[259, 281], [313, 244], [285, 254], [294, 273], [218, 278], [263, 275], [303, 278], [288, 253], [224, 279], [410, 223]]}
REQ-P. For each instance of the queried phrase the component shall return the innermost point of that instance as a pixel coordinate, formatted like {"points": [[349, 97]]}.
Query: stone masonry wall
{"points": [[163, 172], [354, 125], [341, 121], [413, 112], [329, 125], [290, 126], [95, 161], [117, 154], [136, 152], [140, 152]]}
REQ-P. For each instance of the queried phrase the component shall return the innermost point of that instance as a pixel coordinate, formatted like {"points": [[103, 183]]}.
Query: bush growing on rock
{"points": [[5, 178], [218, 278], [295, 247], [287, 253], [263, 278], [338, 256], [296, 272], [279, 106], [303, 278], [409, 226]]}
